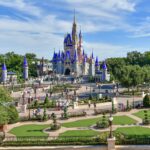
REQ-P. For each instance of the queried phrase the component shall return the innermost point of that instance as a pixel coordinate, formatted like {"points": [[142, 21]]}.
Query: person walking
{"points": [[94, 105]]}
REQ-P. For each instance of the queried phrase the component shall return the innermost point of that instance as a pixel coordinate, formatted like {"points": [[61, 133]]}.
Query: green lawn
{"points": [[138, 131], [140, 114], [29, 130], [118, 120], [75, 133]]}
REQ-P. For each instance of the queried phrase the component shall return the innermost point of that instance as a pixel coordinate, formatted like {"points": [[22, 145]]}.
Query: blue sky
{"points": [[110, 28]]}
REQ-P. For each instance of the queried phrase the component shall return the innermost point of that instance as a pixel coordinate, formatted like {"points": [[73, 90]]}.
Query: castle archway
{"points": [[67, 72]]}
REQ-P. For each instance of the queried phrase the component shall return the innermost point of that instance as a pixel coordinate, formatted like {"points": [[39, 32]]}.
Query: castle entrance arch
{"points": [[67, 72]]}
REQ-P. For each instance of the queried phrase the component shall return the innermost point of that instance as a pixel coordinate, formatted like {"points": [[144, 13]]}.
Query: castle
{"points": [[74, 61]]}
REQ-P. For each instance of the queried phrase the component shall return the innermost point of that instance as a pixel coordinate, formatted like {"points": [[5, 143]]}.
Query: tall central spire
{"points": [[74, 30], [74, 19]]}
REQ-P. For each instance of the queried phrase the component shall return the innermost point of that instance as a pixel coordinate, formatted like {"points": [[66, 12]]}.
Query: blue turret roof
{"points": [[68, 40], [4, 67], [54, 55], [84, 60], [96, 62], [59, 56], [62, 55], [25, 63], [104, 66]]}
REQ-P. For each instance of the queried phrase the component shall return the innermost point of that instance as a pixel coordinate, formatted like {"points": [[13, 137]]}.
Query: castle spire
{"points": [[74, 18], [96, 62], [104, 66], [74, 31], [92, 55]]}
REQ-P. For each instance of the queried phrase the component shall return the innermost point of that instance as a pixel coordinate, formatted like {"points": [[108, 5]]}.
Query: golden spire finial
{"points": [[74, 16]]}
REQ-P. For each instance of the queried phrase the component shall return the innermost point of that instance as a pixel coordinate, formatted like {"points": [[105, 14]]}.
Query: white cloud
{"points": [[43, 34], [22, 6]]}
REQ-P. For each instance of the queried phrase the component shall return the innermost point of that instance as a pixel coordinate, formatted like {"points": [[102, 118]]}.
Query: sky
{"points": [[110, 28]]}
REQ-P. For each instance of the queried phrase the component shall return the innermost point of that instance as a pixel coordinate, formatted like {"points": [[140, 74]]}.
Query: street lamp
{"points": [[30, 97], [99, 88], [133, 96], [110, 124]]}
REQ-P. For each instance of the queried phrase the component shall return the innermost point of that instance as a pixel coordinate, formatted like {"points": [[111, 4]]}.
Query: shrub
{"points": [[45, 116], [55, 125], [65, 115], [36, 104], [103, 123], [146, 120]]}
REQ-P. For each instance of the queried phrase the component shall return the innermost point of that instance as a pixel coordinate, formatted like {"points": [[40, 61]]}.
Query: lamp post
{"points": [[99, 88], [133, 96], [29, 106], [110, 124]]}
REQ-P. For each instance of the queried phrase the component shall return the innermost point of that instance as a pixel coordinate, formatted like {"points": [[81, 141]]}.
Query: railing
{"points": [[52, 140]]}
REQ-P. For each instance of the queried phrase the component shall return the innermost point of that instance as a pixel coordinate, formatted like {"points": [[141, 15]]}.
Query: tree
{"points": [[146, 120], [65, 115], [6, 108], [55, 125], [4, 116], [102, 123], [13, 114], [127, 106], [146, 101], [46, 101], [45, 117], [113, 107]]}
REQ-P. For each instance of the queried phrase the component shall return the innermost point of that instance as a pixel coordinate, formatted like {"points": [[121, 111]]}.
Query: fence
{"points": [[52, 140]]}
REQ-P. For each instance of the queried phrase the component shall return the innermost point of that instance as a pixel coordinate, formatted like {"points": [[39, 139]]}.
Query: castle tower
{"points": [[104, 71], [67, 63], [74, 32], [4, 73], [80, 44], [76, 64], [54, 61], [92, 66], [59, 64], [25, 68], [97, 65], [85, 66]]}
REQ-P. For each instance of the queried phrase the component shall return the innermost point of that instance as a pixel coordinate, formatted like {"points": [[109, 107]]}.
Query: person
{"points": [[89, 104], [94, 104]]}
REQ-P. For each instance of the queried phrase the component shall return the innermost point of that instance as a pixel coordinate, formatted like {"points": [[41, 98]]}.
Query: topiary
{"points": [[103, 123]]}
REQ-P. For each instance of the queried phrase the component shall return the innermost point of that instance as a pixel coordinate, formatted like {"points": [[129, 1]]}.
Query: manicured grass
{"points": [[140, 114], [138, 131], [123, 120], [29, 130], [118, 120], [79, 133]]}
